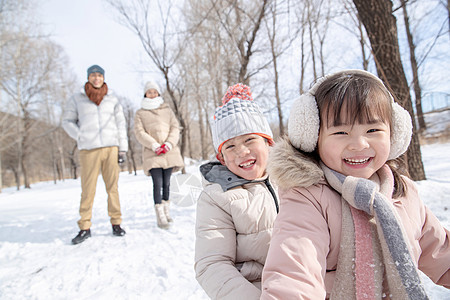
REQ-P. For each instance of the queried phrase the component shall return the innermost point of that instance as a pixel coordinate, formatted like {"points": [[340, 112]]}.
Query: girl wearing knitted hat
{"points": [[157, 129], [238, 205], [352, 225]]}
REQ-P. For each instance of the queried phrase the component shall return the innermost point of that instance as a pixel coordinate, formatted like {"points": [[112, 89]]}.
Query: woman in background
{"points": [[157, 130]]}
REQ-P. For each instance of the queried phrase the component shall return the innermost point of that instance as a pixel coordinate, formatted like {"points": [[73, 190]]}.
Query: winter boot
{"points": [[81, 236], [161, 216], [118, 231], [166, 210]]}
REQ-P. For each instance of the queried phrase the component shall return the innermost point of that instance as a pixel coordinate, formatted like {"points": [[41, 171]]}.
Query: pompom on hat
{"points": [[151, 85], [238, 115], [304, 120]]}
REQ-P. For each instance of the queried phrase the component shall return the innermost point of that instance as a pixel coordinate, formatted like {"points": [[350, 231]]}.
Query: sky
{"points": [[90, 34], [38, 261]]}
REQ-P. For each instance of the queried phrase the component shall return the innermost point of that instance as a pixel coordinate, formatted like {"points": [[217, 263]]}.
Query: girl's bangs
{"points": [[355, 100]]}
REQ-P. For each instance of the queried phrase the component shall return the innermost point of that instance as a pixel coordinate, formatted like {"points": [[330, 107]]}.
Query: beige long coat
{"points": [[158, 125]]}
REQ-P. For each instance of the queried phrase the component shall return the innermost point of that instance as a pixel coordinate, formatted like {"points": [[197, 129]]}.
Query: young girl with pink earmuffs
{"points": [[351, 223]]}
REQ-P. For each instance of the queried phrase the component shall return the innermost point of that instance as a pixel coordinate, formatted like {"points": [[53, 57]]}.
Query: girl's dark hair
{"points": [[353, 98], [349, 98]]}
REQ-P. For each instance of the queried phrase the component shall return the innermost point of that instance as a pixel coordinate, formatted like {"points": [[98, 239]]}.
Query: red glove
{"points": [[162, 150]]}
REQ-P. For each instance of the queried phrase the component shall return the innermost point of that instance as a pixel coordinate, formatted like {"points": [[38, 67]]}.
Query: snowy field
{"points": [[37, 260]]}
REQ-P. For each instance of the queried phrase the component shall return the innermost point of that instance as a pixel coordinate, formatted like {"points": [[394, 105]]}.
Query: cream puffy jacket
{"points": [[304, 250], [95, 126], [233, 231]]}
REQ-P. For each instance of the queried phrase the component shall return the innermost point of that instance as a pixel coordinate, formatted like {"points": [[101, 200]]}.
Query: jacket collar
{"points": [[150, 104], [289, 167], [83, 92], [215, 172]]}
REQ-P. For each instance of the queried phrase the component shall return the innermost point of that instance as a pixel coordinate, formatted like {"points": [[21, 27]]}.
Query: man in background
{"points": [[94, 118]]}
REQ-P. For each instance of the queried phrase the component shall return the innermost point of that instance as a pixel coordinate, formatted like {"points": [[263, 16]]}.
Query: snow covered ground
{"points": [[37, 260]]}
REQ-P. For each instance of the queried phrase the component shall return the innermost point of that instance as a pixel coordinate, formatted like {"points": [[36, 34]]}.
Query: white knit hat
{"points": [[304, 121], [152, 85], [238, 115]]}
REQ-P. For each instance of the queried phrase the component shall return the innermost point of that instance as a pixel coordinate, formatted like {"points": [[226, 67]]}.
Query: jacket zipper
{"points": [[271, 190], [100, 131]]}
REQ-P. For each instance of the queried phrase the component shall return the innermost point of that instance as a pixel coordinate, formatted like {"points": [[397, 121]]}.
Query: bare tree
{"points": [[278, 45], [7, 138], [315, 17], [271, 32], [129, 113], [414, 69], [207, 65], [302, 19], [311, 20], [54, 95], [162, 43], [73, 161], [323, 14], [241, 22], [10, 13], [448, 12], [380, 25], [225, 47], [197, 92], [30, 63], [360, 33]]}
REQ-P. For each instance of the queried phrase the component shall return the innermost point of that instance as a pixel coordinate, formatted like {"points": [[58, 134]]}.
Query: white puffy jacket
{"points": [[95, 126]]}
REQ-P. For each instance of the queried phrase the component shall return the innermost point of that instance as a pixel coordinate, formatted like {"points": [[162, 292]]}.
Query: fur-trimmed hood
{"points": [[288, 167]]}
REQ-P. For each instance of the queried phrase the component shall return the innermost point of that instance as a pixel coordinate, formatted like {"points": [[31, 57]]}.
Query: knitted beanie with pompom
{"points": [[238, 115]]}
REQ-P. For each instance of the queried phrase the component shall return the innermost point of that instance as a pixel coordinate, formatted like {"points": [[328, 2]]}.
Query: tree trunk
{"points": [[311, 40], [415, 70], [201, 126], [54, 166], [130, 160], [302, 56], [1, 176], [177, 110], [61, 161], [277, 96], [380, 25], [73, 163], [17, 177], [249, 43], [25, 142], [362, 43], [272, 32], [448, 11], [26, 182], [53, 157]]}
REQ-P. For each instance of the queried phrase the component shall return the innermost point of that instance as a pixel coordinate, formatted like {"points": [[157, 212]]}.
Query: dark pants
{"points": [[161, 181]]}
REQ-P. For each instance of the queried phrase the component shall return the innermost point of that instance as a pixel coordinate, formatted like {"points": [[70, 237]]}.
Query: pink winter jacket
{"points": [[304, 250]]}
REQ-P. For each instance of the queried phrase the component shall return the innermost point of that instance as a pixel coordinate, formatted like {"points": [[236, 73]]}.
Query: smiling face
{"points": [[355, 124], [246, 155], [357, 150], [96, 79], [151, 93]]}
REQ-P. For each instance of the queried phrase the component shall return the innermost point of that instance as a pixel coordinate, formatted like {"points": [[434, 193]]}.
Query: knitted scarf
{"points": [[94, 94], [154, 103], [372, 239]]}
